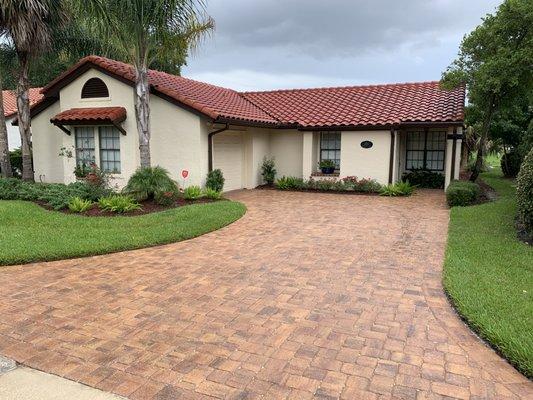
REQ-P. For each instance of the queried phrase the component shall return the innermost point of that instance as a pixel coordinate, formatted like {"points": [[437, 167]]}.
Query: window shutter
{"points": [[93, 88]]}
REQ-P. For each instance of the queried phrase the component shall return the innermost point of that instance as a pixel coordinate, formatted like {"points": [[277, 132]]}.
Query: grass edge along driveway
{"points": [[488, 274], [29, 233]]}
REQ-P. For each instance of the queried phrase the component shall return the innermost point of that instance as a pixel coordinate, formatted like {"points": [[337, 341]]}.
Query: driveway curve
{"points": [[307, 296]]}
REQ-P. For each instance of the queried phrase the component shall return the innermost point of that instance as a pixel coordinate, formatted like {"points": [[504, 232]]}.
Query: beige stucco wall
{"points": [[13, 134], [286, 146], [366, 163], [47, 142]]}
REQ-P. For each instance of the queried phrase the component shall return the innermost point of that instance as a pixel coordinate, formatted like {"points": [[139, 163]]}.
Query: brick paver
{"points": [[307, 296]]}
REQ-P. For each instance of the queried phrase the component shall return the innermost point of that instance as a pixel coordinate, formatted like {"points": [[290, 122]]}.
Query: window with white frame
{"points": [[425, 150], [330, 147], [108, 144], [109, 138], [85, 147]]}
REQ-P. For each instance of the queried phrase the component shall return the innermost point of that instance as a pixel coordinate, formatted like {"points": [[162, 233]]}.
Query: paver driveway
{"points": [[309, 295]]}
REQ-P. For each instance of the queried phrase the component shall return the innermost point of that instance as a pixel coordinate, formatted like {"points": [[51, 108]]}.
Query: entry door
{"points": [[228, 157]]}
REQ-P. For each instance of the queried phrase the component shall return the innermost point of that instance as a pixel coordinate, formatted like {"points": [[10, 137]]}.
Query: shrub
{"points": [[9, 188], [167, 198], [290, 183], [15, 158], [425, 179], [524, 193], [79, 205], [215, 180], [146, 182], [361, 185], [192, 192], [118, 203], [510, 164], [462, 193], [397, 189], [268, 170], [212, 194], [325, 184]]}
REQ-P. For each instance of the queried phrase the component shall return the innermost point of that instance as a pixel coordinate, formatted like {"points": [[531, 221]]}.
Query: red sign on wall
{"points": [[185, 173]]}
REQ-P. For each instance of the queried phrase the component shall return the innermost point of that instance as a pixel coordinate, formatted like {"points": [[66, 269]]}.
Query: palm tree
{"points": [[5, 164], [148, 31], [27, 24]]}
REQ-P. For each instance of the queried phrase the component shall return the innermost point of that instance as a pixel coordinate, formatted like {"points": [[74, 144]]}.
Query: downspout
{"points": [[454, 151], [391, 159], [210, 145]]}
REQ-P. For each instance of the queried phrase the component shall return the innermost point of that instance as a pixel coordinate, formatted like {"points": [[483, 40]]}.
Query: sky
{"points": [[283, 44]]}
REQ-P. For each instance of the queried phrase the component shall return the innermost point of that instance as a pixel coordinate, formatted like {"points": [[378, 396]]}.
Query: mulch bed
{"points": [[147, 207], [351, 192]]}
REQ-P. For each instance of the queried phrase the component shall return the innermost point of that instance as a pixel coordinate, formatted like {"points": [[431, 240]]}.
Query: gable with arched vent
{"points": [[94, 88]]}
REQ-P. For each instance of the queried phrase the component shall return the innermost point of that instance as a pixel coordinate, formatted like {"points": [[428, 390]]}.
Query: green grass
{"points": [[30, 233], [488, 274]]}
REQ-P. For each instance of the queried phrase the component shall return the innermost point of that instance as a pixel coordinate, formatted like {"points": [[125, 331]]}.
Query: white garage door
{"points": [[228, 157]]}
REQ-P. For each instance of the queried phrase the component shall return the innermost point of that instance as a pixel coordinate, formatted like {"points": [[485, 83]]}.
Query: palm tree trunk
{"points": [[483, 140], [5, 163], [23, 105], [142, 113]]}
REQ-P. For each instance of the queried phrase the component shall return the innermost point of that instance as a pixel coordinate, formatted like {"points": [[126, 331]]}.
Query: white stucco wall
{"points": [[286, 146], [366, 163], [13, 134]]}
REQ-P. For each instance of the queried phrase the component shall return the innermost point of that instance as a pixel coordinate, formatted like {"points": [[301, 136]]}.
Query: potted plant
{"points": [[327, 166]]}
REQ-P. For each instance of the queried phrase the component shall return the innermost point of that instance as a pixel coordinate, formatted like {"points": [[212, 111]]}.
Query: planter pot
{"points": [[328, 170]]}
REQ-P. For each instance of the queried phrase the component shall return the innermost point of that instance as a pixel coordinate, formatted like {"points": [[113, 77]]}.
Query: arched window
{"points": [[94, 87]]}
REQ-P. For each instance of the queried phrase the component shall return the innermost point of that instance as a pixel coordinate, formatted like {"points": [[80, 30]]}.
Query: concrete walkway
{"points": [[307, 296]]}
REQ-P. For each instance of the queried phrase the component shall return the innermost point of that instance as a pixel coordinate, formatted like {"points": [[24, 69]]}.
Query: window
{"points": [[425, 150], [94, 88], [84, 142], [109, 149], [330, 147]]}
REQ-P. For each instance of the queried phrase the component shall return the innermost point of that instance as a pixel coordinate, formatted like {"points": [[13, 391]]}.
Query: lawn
{"points": [[30, 233], [488, 274]]}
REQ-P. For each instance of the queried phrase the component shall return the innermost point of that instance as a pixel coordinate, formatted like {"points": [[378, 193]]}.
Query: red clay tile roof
{"points": [[97, 114], [10, 100], [375, 105]]}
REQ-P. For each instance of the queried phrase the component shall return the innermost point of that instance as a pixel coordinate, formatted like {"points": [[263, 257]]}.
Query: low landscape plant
{"points": [[268, 170], [524, 194], [462, 193], [215, 180], [79, 205], [424, 178], [118, 203], [212, 194], [166, 198], [361, 185], [402, 188], [146, 182], [290, 183], [192, 192], [510, 164]]}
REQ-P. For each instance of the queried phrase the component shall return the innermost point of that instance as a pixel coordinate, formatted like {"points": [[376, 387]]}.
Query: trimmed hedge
{"points": [[524, 193], [510, 164], [423, 178], [462, 193]]}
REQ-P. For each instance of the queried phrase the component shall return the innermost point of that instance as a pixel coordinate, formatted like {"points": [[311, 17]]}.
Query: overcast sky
{"points": [[275, 44]]}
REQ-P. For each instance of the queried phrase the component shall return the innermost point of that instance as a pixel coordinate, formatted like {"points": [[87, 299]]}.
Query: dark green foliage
{"points": [[326, 164], [425, 179], [215, 180], [290, 183], [510, 164], [146, 182], [397, 189], [524, 193], [165, 198], [15, 157], [118, 203], [462, 193], [192, 192], [268, 170]]}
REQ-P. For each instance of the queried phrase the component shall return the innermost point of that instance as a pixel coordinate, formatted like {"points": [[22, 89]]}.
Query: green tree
{"points": [[494, 63], [147, 32], [5, 164], [27, 26]]}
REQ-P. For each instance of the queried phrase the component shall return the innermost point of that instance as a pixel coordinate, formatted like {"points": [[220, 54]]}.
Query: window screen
{"points": [[84, 142], [330, 147], [109, 149], [425, 150]]}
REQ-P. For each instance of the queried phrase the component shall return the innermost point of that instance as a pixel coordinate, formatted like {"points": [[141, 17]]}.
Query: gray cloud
{"points": [[263, 44]]}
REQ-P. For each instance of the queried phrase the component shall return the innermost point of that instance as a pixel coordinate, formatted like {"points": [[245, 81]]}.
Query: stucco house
{"points": [[10, 112], [375, 131]]}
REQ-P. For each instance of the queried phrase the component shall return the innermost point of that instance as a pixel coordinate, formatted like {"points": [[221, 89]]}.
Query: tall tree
{"points": [[27, 24], [494, 63], [149, 31], [5, 164]]}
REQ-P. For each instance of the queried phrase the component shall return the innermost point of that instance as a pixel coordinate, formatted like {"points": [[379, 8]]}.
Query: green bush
{"points": [[9, 188], [212, 194], [268, 170], [361, 185], [424, 179], [524, 193], [290, 183], [510, 164], [325, 184], [215, 180], [146, 182], [15, 158], [167, 198], [118, 203], [79, 205], [192, 192], [462, 193], [397, 189]]}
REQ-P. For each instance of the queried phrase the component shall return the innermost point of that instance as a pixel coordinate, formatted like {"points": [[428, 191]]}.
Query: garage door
{"points": [[228, 157]]}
